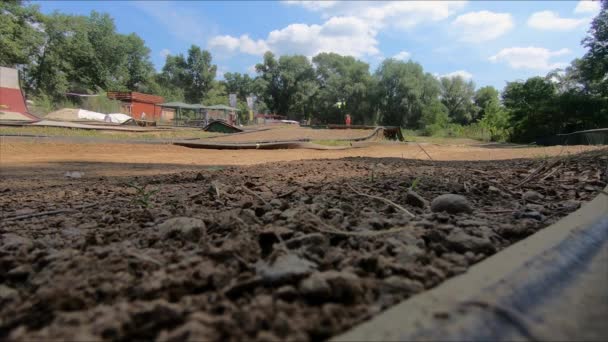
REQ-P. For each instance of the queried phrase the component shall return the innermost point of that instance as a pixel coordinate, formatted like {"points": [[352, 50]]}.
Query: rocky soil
{"points": [[281, 251]]}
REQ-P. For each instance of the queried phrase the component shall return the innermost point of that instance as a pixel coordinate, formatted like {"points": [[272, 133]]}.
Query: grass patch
{"points": [[112, 135], [332, 142]]}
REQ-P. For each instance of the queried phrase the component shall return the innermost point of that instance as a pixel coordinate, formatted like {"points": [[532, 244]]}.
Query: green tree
{"points": [[457, 96], [495, 120], [595, 62], [20, 36], [194, 75], [531, 105], [239, 84], [484, 96], [403, 90], [345, 81], [287, 85]]}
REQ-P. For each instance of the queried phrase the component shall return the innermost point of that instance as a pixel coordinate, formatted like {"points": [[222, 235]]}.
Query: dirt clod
{"points": [[451, 203]]}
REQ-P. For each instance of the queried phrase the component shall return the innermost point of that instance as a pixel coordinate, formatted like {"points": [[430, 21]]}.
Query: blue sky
{"points": [[490, 42]]}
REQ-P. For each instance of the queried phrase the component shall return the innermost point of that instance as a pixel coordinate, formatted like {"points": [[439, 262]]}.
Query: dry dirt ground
{"points": [[290, 250]]}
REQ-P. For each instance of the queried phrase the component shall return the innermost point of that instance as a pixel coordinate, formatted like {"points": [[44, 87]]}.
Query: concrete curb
{"points": [[549, 286]]}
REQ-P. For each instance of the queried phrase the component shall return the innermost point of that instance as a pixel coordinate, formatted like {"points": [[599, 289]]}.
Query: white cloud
{"points": [[548, 20], [312, 5], [350, 28], [344, 35], [164, 53], [402, 55], [530, 58], [482, 26], [242, 44], [400, 14], [462, 73], [587, 7]]}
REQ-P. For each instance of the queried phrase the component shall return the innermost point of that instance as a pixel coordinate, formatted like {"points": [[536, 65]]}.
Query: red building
{"points": [[136, 104]]}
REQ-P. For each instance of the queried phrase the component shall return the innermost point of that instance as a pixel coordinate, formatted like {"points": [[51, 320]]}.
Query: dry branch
{"points": [[48, 213]]}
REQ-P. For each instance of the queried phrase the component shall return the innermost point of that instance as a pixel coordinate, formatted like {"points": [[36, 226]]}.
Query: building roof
{"points": [[135, 96], [182, 105], [222, 107]]}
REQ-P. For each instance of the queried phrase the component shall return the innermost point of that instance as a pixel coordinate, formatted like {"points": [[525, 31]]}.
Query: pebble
{"points": [[285, 268], [182, 228], [413, 199], [332, 286], [532, 196], [462, 242], [451, 203]]}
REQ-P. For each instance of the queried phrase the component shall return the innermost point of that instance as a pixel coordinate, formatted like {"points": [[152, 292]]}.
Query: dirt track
{"points": [[26, 157]]}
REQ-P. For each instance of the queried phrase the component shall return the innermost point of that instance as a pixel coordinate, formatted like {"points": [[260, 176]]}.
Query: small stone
{"points": [[532, 196], [74, 174], [332, 286], [396, 284], [462, 242], [182, 228], [277, 203], [287, 292], [284, 269], [535, 215], [451, 203], [7, 294], [408, 253], [413, 199], [11, 241], [494, 189]]}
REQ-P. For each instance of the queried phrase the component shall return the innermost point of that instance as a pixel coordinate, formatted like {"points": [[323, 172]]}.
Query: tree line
{"points": [[60, 53]]}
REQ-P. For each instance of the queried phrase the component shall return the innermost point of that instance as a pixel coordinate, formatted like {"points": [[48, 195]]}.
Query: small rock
{"points": [[12, 241], [462, 242], [74, 174], [571, 205], [183, 228], [284, 269], [277, 203], [532, 196], [287, 292], [396, 284], [413, 199], [7, 294], [408, 253], [533, 214], [451, 203], [332, 286]]}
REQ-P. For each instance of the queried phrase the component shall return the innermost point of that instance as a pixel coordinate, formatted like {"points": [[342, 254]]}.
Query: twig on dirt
{"points": [[48, 213], [498, 211], [538, 172], [381, 199], [423, 150], [288, 193], [249, 191], [514, 317], [143, 257], [551, 173], [330, 230]]}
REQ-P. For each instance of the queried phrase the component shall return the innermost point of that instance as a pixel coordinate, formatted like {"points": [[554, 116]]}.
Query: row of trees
{"points": [[61, 53]]}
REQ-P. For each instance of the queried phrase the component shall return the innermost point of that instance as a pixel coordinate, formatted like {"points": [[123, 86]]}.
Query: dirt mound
{"points": [[271, 252], [64, 114]]}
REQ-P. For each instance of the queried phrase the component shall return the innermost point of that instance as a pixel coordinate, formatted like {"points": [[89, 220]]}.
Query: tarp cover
{"points": [[72, 114]]}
